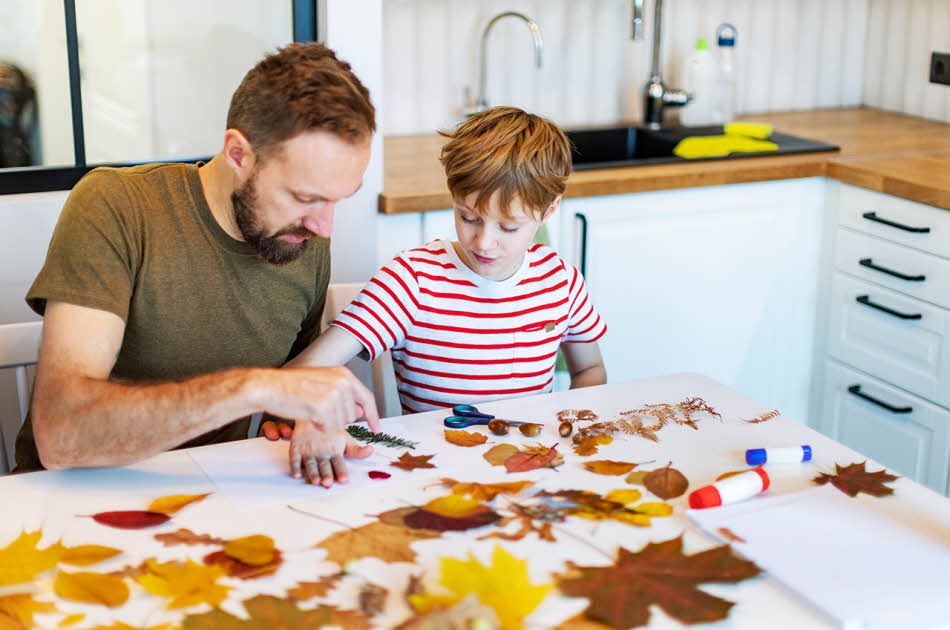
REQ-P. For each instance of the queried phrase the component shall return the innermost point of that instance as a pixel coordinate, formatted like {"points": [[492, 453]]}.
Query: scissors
{"points": [[467, 415]]}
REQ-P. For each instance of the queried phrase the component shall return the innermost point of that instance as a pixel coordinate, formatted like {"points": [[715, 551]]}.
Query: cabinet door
{"points": [[721, 281], [897, 429]]}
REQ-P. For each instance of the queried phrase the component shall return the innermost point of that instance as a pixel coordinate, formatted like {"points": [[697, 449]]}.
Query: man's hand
{"points": [[317, 455]]}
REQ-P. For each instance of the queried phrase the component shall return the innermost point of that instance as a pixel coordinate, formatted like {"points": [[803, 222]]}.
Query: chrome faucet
{"points": [[656, 94], [481, 101]]}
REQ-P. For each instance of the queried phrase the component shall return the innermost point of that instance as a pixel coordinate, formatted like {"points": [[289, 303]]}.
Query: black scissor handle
{"points": [[872, 216], [869, 263], [863, 299], [856, 390]]}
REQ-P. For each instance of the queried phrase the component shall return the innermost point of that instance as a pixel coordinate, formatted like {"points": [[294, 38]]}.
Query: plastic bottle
{"points": [[701, 80], [725, 108]]}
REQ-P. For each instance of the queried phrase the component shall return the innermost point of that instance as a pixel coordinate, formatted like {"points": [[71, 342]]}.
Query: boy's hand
{"points": [[274, 431], [317, 455]]}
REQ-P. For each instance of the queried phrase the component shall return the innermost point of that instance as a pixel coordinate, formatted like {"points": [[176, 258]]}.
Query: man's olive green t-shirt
{"points": [[141, 242]]}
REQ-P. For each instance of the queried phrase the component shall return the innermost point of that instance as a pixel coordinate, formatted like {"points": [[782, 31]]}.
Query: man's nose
{"points": [[320, 222]]}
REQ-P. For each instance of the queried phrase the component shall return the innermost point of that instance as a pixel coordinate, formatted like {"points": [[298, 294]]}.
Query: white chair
{"points": [[19, 349]]}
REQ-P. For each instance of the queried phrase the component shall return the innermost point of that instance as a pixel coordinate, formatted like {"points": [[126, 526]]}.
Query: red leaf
{"points": [[131, 519], [530, 459], [378, 474]]}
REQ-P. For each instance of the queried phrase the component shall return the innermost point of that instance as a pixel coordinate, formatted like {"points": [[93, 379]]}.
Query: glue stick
{"points": [[789, 455], [730, 490]]}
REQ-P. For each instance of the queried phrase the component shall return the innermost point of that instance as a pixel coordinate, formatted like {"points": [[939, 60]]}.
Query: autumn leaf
{"points": [[22, 560], [580, 622], [264, 611], [451, 513], [131, 519], [308, 590], [252, 550], [412, 462], [609, 467], [84, 555], [71, 620], [348, 619], [587, 504], [503, 585], [187, 537], [185, 584], [853, 478], [733, 473], [499, 454], [372, 599], [588, 445], [765, 417], [389, 543], [534, 457], [464, 438], [728, 534], [621, 594], [237, 569], [91, 588], [16, 611], [666, 483], [118, 625], [485, 491], [467, 613], [175, 502], [636, 477], [575, 415], [624, 496]]}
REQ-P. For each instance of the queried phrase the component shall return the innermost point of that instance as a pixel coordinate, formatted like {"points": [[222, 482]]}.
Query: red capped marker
{"points": [[730, 490]]}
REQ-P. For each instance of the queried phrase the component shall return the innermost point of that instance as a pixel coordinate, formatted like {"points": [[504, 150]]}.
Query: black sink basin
{"points": [[638, 146]]}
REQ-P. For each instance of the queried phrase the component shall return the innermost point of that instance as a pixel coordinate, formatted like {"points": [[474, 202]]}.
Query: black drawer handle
{"points": [[856, 390], [872, 216], [863, 299], [866, 262]]}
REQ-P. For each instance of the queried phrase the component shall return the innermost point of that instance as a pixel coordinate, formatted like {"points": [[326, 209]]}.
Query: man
{"points": [[172, 294]]}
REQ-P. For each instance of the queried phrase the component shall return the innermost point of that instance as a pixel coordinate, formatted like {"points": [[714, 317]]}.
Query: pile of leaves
{"points": [[525, 459]]}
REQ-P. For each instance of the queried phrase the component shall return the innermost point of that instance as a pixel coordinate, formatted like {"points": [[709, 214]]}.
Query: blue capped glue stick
{"points": [[790, 455]]}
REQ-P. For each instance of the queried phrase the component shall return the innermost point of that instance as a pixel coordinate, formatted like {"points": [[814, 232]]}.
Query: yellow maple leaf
{"points": [[503, 586], [654, 509], [16, 611], [174, 502], [21, 560], [92, 588], [624, 495], [185, 584], [254, 550], [71, 620], [84, 555]]}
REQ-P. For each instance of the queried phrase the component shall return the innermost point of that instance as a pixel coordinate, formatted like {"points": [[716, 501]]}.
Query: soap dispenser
{"points": [[701, 84]]}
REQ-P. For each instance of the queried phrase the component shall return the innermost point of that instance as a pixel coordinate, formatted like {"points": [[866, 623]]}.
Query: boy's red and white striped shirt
{"points": [[459, 338]]}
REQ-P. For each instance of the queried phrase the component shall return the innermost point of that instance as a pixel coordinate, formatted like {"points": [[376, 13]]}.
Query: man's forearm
{"points": [[81, 421]]}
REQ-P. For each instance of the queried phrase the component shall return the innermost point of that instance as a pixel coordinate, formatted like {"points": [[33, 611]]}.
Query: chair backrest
{"points": [[19, 349], [382, 379]]}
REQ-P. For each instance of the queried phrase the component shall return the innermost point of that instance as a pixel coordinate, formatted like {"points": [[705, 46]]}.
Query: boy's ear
{"points": [[550, 211]]}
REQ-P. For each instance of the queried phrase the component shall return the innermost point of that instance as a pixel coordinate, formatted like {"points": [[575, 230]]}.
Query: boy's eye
{"points": [[468, 219], [510, 228]]}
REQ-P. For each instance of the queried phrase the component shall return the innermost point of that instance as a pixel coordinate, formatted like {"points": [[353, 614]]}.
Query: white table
{"points": [[52, 500]]}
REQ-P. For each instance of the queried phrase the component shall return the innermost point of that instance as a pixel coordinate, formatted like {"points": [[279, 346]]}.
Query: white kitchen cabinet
{"points": [[720, 280]]}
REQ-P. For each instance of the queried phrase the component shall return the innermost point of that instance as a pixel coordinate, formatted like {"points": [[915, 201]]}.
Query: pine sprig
{"points": [[363, 434]]}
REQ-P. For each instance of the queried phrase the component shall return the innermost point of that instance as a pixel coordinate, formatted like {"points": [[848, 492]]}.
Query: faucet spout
{"points": [[656, 94], [482, 99]]}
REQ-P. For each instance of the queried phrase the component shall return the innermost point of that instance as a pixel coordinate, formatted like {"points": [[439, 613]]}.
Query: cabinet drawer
{"points": [[913, 443], [911, 353], [901, 268], [902, 215]]}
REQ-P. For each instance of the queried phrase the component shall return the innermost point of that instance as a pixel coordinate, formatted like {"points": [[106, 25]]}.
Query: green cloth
{"points": [[141, 242]]}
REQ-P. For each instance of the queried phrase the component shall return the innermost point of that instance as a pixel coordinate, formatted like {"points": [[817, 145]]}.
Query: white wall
{"points": [[793, 54], [900, 37]]}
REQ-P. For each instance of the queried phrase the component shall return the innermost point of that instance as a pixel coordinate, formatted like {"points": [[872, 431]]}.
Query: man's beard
{"points": [[271, 248]]}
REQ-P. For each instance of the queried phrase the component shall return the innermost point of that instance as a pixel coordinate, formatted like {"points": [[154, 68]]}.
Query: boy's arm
{"points": [[584, 363], [333, 347]]}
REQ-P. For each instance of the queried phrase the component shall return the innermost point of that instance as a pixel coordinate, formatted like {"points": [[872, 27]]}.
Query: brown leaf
{"points": [[637, 477], [451, 513], [765, 417], [580, 622], [728, 534], [91, 588], [84, 555], [348, 619], [485, 491], [372, 599], [263, 611], [576, 415], [621, 594], [308, 590], [133, 571], [853, 479], [175, 502], [187, 537], [237, 569], [389, 543], [733, 473], [498, 454], [666, 483], [609, 467], [411, 462], [464, 438], [588, 445], [533, 458]]}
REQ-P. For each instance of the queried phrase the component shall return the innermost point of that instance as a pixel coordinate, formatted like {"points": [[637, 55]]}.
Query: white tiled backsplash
{"points": [[793, 55]]}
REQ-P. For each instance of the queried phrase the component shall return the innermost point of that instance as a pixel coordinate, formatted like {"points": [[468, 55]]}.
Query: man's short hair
{"points": [[509, 151], [302, 87]]}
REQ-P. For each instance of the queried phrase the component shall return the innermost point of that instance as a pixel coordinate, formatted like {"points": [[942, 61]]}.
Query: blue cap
{"points": [[806, 453], [756, 456], [726, 35]]}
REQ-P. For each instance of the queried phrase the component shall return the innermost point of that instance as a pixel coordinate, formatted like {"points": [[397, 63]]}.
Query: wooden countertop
{"points": [[891, 153]]}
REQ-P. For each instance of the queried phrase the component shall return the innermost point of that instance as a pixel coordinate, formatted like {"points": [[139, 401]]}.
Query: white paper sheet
{"points": [[254, 472], [858, 566]]}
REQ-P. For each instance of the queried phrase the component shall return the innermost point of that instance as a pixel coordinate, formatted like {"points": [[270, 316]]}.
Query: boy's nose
{"points": [[484, 241], [320, 222]]}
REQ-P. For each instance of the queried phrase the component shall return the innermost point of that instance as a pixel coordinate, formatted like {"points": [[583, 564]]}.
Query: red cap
{"points": [[705, 497], [765, 477]]}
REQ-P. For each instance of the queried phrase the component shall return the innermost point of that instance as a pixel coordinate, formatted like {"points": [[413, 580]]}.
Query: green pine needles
{"points": [[363, 434]]}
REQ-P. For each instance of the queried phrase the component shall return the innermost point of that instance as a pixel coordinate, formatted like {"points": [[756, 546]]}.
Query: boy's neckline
{"points": [[480, 280]]}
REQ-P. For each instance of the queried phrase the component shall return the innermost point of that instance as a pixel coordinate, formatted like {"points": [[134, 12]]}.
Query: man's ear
{"points": [[550, 211], [238, 154]]}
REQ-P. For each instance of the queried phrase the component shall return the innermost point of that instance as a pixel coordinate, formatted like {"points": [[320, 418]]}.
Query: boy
{"points": [[480, 318]]}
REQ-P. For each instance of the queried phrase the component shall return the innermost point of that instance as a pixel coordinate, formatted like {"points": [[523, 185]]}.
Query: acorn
{"points": [[530, 429], [565, 429], [499, 427]]}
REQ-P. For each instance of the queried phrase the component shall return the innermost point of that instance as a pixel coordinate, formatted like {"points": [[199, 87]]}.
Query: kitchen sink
{"points": [[614, 147]]}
